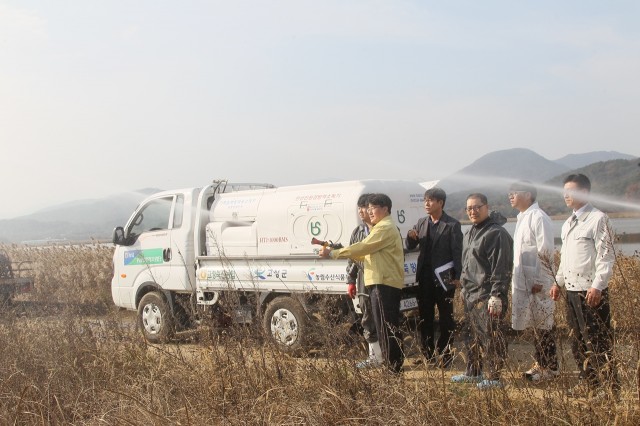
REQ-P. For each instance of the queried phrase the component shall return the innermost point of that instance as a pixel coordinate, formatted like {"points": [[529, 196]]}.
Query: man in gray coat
{"points": [[487, 263]]}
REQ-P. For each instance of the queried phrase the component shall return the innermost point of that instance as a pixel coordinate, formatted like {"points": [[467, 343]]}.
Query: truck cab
{"points": [[154, 248], [155, 253]]}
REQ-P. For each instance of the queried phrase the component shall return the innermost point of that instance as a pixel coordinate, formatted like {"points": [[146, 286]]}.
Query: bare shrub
{"points": [[71, 274], [74, 368]]}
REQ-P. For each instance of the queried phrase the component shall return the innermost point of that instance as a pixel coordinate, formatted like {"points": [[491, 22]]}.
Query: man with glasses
{"points": [[440, 239], [531, 306], [355, 286], [383, 257], [586, 265], [487, 262]]}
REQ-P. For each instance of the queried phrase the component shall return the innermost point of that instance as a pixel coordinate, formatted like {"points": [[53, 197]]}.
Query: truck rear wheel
{"points": [[286, 322], [154, 318]]}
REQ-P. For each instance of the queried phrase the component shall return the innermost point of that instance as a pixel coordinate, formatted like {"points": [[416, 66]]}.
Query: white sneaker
{"points": [[583, 390], [538, 374], [463, 378], [375, 352], [490, 384], [368, 363]]}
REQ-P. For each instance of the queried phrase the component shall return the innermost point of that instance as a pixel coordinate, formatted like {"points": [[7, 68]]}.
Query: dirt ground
{"points": [[519, 359]]}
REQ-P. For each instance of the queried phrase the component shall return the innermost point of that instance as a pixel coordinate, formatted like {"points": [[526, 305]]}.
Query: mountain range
{"points": [[612, 173], [74, 221], [500, 168]]}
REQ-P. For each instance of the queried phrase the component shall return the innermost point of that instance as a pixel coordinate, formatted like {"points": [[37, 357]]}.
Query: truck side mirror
{"points": [[118, 236]]}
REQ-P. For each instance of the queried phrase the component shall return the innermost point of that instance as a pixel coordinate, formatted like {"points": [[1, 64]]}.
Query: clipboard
{"points": [[440, 270]]}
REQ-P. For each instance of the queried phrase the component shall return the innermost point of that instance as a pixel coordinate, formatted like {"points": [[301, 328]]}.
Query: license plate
{"points": [[409, 303]]}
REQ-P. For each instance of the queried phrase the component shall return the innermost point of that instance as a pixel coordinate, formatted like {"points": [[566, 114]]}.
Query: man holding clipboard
{"points": [[439, 237]]}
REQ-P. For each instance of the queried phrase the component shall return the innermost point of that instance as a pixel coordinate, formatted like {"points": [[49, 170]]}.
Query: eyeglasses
{"points": [[474, 208], [514, 193]]}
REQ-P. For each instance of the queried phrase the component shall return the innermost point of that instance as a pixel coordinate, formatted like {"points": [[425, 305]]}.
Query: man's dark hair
{"points": [[436, 194], [363, 200], [479, 196], [381, 200], [525, 186], [579, 179]]}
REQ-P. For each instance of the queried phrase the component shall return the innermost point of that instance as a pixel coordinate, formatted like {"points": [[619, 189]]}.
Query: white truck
{"points": [[200, 247]]}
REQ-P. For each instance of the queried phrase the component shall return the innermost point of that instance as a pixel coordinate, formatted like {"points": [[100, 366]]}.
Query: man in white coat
{"points": [[531, 305]]}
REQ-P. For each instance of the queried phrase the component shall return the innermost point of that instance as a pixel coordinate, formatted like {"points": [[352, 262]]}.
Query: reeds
{"points": [[71, 364]]}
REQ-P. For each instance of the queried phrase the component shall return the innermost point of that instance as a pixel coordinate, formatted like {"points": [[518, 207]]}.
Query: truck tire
{"points": [[286, 323], [154, 318]]}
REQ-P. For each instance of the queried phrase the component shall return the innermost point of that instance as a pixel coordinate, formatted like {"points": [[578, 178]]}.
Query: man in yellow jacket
{"points": [[383, 258]]}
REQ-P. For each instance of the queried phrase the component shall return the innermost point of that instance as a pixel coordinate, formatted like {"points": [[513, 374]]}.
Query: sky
{"points": [[100, 97]]}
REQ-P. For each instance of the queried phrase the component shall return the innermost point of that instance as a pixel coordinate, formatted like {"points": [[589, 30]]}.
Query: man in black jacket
{"points": [[440, 239]]}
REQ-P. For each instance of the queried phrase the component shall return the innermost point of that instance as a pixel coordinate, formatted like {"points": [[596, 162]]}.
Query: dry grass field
{"points": [[69, 357]]}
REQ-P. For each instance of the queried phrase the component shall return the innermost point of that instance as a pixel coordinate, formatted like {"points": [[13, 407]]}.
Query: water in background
{"points": [[621, 226]]}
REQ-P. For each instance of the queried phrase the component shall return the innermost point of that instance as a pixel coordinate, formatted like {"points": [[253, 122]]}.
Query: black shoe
{"points": [[580, 390], [445, 361], [426, 359], [396, 370], [605, 395]]}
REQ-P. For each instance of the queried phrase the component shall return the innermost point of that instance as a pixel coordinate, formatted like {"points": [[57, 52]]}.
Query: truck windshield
{"points": [[154, 216]]}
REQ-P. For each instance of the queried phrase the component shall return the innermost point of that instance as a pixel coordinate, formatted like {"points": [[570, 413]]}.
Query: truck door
{"points": [[148, 257]]}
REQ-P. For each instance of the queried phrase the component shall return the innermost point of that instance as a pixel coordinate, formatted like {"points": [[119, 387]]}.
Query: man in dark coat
{"points": [[440, 239]]}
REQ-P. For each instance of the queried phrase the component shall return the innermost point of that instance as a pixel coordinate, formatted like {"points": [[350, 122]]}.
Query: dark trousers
{"points": [[431, 296], [385, 309], [484, 341], [592, 338], [545, 344]]}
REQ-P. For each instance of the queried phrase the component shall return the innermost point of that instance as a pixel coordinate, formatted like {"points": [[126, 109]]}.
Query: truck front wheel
{"points": [[154, 318], [286, 322]]}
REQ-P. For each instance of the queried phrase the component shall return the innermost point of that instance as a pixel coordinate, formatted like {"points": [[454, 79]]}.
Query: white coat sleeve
{"points": [[545, 247]]}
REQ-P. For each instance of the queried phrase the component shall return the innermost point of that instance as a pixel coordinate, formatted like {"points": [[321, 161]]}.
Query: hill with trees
{"points": [[575, 161]]}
